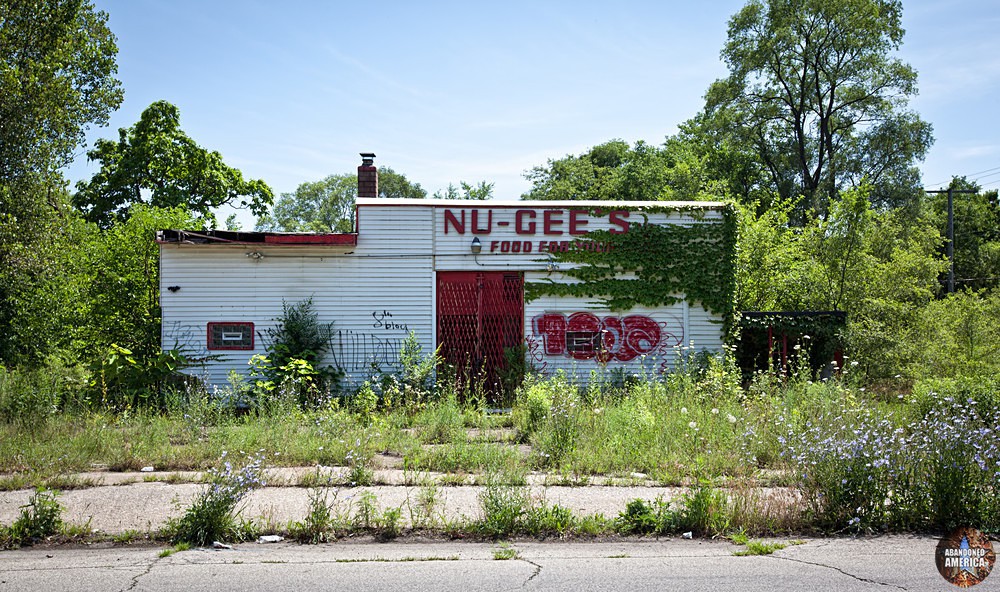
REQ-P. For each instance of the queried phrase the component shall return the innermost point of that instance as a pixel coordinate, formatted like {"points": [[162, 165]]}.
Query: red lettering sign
{"points": [[575, 223], [551, 221], [519, 225], [449, 218]]}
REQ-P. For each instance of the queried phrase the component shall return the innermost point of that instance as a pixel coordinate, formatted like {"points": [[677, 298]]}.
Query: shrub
{"points": [[442, 422], [27, 398], [503, 506], [860, 471], [296, 345], [642, 517], [417, 370], [212, 516], [531, 408], [39, 518], [319, 521]]}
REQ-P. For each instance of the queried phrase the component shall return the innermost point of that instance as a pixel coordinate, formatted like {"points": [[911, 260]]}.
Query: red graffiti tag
{"points": [[584, 336]]}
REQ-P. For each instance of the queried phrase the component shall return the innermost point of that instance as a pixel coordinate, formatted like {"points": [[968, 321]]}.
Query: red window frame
{"points": [[241, 324]]}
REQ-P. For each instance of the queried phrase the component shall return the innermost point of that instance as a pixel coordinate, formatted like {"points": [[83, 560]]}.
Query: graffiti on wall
{"points": [[585, 336], [365, 350], [182, 336]]}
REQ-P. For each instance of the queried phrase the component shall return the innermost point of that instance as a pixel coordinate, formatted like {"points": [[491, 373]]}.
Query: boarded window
{"points": [[583, 342], [230, 336]]}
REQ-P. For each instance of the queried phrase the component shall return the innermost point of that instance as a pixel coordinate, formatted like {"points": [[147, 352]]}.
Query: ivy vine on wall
{"points": [[652, 264]]}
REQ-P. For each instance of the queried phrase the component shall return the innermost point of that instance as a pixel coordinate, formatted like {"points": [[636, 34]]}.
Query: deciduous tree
{"points": [[816, 100], [156, 163], [328, 205]]}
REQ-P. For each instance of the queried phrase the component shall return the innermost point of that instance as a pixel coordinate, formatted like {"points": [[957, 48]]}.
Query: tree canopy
{"points": [[155, 162], [615, 171], [479, 191], [57, 78], [814, 102], [328, 205]]}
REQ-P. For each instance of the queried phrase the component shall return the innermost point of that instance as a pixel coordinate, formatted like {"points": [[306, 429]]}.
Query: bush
{"points": [[859, 471], [531, 409], [212, 516], [41, 517], [27, 398], [296, 345]]}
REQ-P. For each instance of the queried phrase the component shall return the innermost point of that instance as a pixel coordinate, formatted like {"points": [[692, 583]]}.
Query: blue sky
{"points": [[443, 92]]}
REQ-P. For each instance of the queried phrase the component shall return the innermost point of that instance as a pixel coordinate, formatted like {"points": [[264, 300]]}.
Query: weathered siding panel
{"points": [[384, 287], [375, 293], [639, 340]]}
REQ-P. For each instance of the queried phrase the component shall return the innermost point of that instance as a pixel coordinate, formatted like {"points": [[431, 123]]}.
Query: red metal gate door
{"points": [[480, 315]]}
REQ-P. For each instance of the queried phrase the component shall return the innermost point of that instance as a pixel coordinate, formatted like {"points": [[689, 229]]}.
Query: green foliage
{"points": [[816, 97], [614, 171], [328, 205], [124, 381], [29, 397], [503, 508], [663, 264], [557, 440], [755, 548], [532, 408], [479, 191], [295, 349], [642, 517], [703, 510], [441, 422], [417, 370], [212, 516], [977, 234], [43, 278], [868, 471], [40, 518], [157, 158], [57, 68], [123, 281], [957, 336], [319, 521]]}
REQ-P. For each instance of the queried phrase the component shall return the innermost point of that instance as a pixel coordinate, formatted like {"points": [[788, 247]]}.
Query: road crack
{"points": [[837, 569], [137, 577], [534, 574]]}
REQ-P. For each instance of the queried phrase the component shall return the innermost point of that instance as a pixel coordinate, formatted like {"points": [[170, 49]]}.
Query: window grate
{"points": [[231, 336]]}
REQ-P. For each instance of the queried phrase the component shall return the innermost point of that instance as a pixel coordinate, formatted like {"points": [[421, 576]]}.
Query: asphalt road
{"points": [[883, 563]]}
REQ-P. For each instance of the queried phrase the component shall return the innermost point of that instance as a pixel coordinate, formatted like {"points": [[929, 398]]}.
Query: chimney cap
{"points": [[367, 158]]}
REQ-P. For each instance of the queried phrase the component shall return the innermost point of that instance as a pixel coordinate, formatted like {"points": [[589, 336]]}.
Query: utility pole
{"points": [[951, 232]]}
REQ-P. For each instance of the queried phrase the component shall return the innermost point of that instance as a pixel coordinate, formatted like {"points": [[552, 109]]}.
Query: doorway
{"points": [[480, 328]]}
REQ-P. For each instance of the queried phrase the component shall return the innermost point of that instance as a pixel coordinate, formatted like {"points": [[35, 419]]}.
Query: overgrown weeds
{"points": [[212, 516]]}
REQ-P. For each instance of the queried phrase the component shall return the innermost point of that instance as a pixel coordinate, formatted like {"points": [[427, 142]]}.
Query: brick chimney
{"points": [[367, 176]]}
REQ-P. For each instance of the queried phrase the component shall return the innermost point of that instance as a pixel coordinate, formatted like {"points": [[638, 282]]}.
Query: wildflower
{"points": [[692, 424], [731, 418], [715, 410], [684, 410]]}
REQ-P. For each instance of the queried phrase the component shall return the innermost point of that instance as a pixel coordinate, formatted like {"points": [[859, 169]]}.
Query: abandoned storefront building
{"points": [[478, 279]]}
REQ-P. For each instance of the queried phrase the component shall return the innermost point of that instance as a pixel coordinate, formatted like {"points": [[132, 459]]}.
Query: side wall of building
{"points": [[375, 293], [385, 287]]}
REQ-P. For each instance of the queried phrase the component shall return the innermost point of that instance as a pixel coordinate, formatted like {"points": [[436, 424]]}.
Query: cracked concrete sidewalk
{"points": [[128, 502]]}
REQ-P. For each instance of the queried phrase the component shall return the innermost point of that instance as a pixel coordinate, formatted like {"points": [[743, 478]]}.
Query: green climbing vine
{"points": [[653, 265]]}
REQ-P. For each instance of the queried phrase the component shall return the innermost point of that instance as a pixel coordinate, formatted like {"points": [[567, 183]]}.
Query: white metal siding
{"points": [[375, 293], [378, 291]]}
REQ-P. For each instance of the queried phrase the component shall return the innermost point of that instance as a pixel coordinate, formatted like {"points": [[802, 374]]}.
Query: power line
{"points": [[966, 176], [984, 176], [986, 171]]}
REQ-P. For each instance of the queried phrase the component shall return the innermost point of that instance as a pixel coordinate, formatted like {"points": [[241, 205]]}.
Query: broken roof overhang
{"points": [[231, 237]]}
